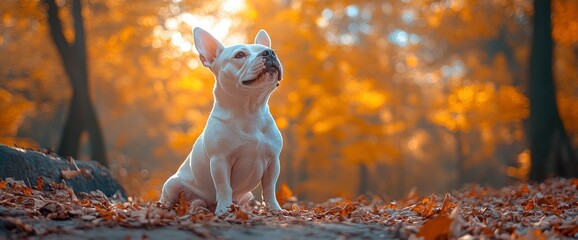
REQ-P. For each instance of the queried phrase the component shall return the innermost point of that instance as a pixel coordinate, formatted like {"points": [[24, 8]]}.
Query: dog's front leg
{"points": [[221, 172], [269, 181]]}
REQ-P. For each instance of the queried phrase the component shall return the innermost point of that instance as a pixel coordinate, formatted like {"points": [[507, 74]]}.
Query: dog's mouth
{"points": [[273, 69]]}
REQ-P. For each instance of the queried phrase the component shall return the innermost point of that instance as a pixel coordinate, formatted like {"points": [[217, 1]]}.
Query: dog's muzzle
{"points": [[271, 65], [271, 62]]}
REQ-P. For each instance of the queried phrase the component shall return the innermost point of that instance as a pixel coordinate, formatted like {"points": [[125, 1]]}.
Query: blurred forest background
{"points": [[378, 96]]}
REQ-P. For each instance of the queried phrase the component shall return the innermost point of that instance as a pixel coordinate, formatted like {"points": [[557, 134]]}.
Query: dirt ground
{"points": [[547, 210], [73, 229]]}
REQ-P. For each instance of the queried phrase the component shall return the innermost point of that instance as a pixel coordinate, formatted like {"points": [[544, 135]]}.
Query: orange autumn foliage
{"points": [[285, 194], [377, 96]]}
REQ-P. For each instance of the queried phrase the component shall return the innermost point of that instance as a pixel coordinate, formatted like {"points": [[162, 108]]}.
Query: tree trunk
{"points": [[364, 180], [550, 148], [460, 158], [82, 116], [402, 168]]}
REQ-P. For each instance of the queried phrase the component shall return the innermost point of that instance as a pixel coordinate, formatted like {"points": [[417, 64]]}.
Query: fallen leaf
{"points": [[26, 190], [285, 195], [295, 207], [574, 182], [39, 183], [68, 174], [447, 204], [436, 228], [71, 194], [242, 215], [183, 206], [425, 208], [529, 205], [533, 234]]}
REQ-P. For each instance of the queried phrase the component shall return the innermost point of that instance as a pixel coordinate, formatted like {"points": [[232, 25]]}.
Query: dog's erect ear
{"points": [[208, 46], [263, 38]]}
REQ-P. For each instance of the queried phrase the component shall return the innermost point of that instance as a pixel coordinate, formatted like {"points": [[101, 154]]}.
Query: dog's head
{"points": [[252, 68]]}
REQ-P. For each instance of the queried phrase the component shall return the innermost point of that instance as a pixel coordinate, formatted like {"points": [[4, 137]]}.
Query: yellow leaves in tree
{"points": [[368, 152], [323, 126], [182, 141], [249, 13], [126, 34], [568, 107], [411, 61], [434, 19], [281, 123], [14, 109], [451, 121], [372, 99], [149, 21], [481, 105], [512, 104], [564, 21], [521, 172], [364, 95]]}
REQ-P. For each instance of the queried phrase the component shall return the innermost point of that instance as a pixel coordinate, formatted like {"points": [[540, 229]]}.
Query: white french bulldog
{"points": [[240, 145]]}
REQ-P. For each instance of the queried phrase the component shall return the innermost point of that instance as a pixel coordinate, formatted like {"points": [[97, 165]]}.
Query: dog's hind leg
{"points": [[170, 192], [173, 187]]}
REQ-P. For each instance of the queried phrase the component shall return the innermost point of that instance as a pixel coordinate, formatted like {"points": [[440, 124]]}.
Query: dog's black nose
{"points": [[267, 52]]}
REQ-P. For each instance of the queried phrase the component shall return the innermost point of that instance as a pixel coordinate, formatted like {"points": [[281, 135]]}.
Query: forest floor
{"points": [[521, 211]]}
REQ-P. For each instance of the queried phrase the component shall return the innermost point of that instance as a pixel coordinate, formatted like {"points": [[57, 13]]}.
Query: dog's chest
{"points": [[256, 148], [258, 141]]}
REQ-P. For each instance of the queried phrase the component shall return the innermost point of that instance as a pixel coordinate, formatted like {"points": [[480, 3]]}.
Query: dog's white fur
{"points": [[240, 145]]}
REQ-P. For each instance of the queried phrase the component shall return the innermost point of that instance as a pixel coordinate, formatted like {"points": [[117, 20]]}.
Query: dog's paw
{"points": [[223, 209], [273, 205]]}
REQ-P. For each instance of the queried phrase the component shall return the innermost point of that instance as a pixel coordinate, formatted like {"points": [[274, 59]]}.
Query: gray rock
{"points": [[28, 165]]}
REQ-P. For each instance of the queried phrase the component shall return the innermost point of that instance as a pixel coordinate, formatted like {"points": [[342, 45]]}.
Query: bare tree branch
{"points": [[56, 31], [79, 40]]}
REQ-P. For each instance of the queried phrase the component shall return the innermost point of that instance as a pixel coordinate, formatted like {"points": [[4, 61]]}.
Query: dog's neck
{"points": [[240, 104]]}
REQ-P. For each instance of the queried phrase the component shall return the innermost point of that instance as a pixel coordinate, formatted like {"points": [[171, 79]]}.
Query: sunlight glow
{"points": [[352, 11], [233, 6], [220, 26]]}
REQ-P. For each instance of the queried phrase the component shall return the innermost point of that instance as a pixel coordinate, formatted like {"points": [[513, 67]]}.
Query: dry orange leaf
{"points": [[183, 207], [529, 205], [575, 182], [535, 234], [240, 214], [524, 189], [295, 207], [348, 209], [285, 194], [26, 190], [3, 184], [425, 208], [447, 204], [39, 183], [436, 228]]}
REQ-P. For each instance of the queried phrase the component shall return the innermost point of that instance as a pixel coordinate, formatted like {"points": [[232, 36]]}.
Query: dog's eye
{"points": [[240, 55]]}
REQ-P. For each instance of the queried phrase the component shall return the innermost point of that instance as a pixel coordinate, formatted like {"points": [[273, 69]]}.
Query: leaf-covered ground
{"points": [[527, 211]]}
